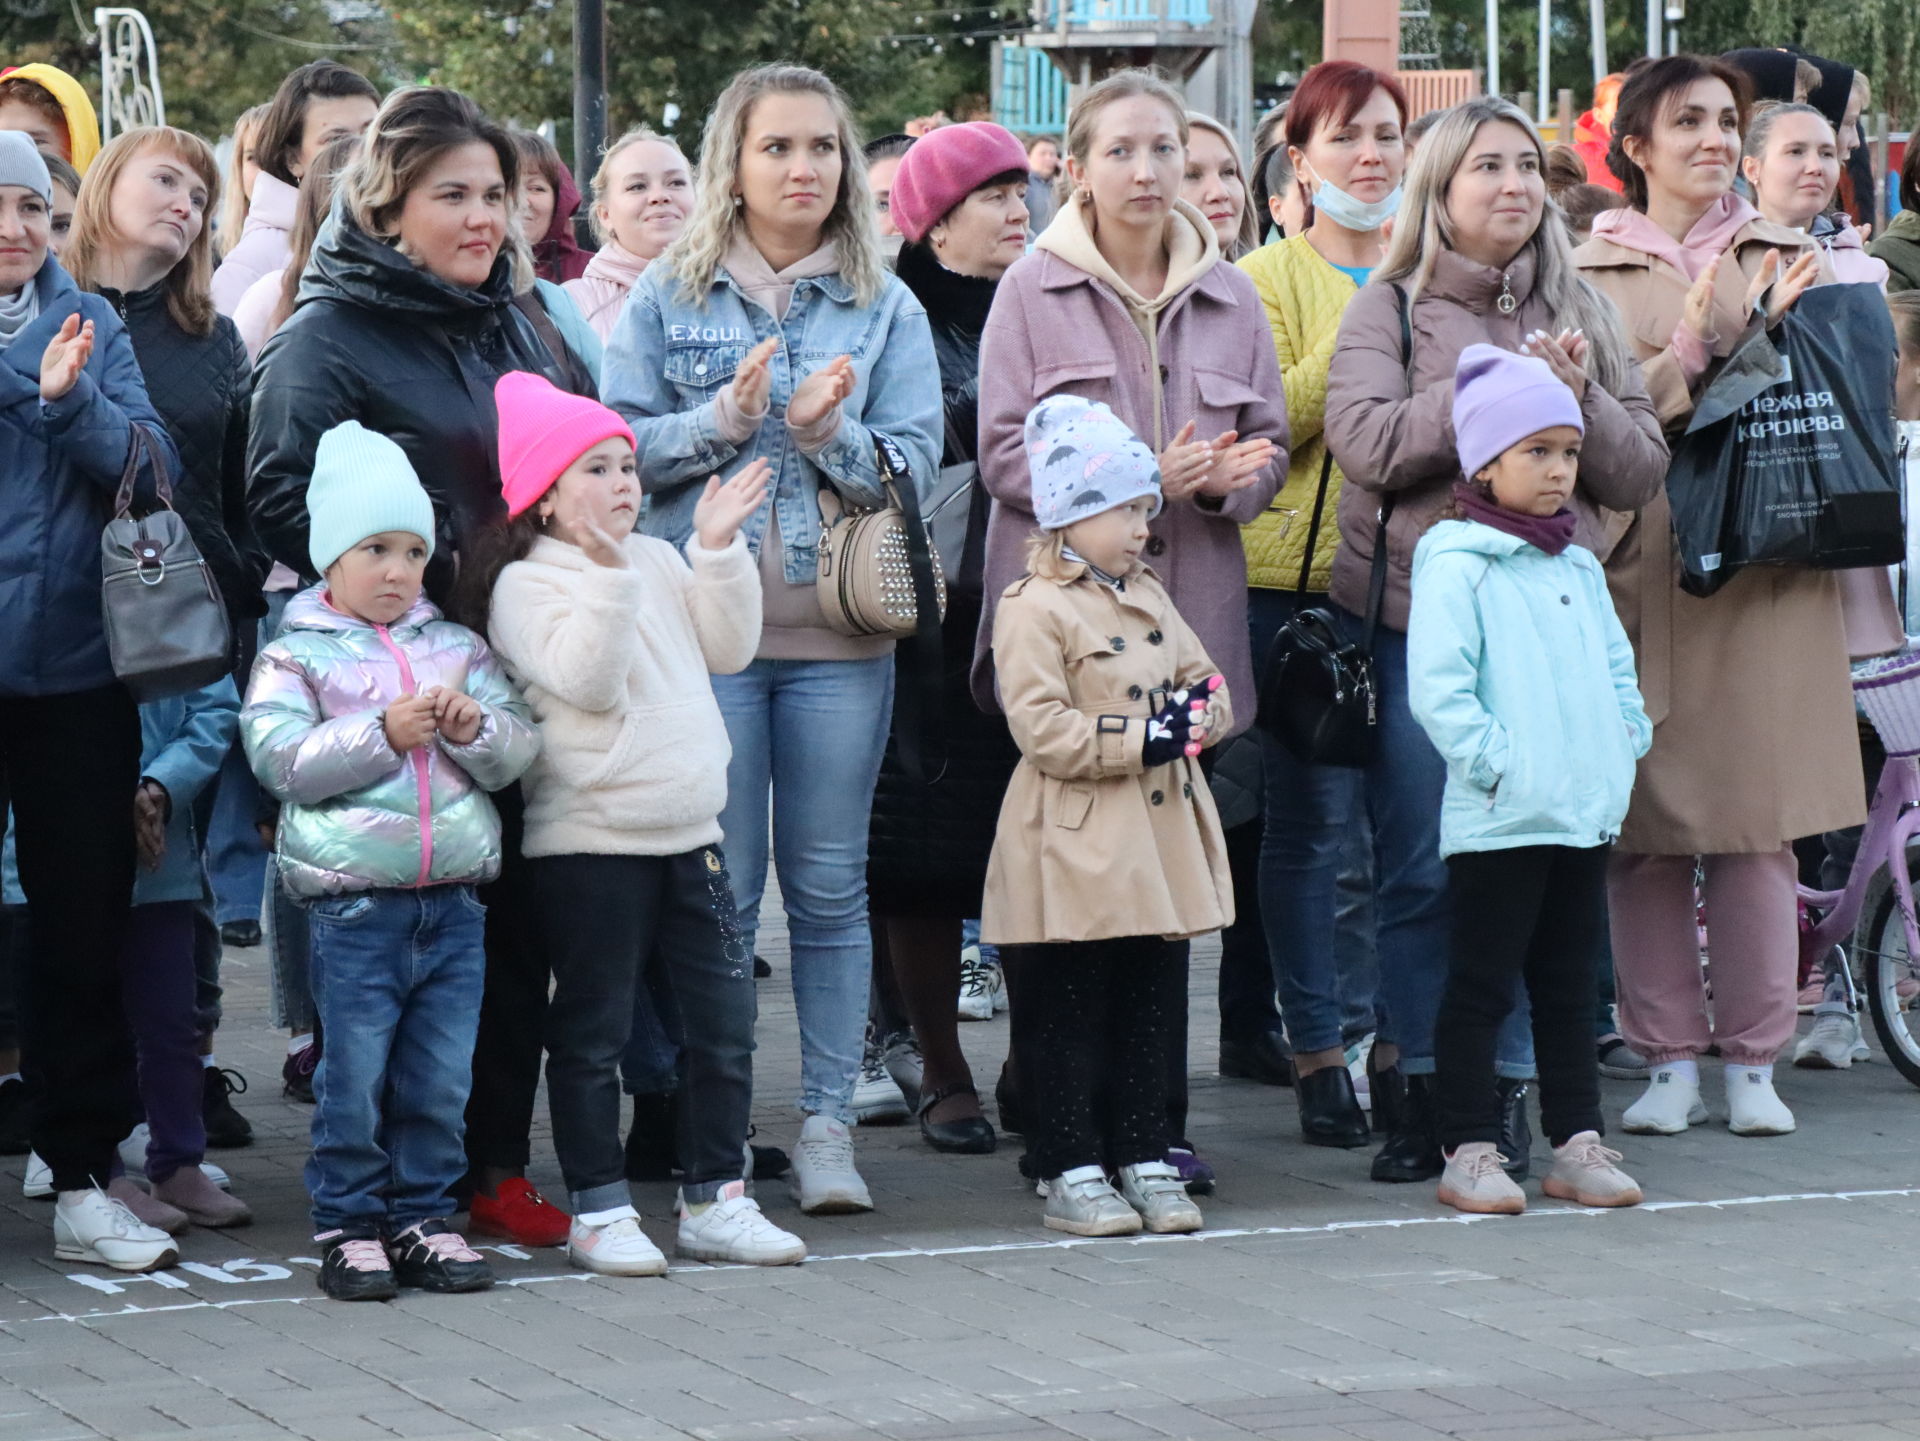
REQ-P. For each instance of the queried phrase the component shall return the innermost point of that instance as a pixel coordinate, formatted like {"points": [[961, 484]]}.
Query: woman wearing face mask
{"points": [[1125, 301], [1754, 741], [1215, 184], [642, 194], [318, 103], [1791, 165], [1476, 256], [1342, 136]]}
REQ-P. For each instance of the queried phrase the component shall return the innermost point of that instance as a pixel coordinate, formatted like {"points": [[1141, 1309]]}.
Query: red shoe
{"points": [[520, 1214]]}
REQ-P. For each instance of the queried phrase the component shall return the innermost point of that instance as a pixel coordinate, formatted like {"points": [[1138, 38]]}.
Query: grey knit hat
{"points": [[20, 164], [1084, 461]]}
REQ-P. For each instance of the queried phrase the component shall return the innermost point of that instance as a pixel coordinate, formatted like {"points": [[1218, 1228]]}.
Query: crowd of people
{"points": [[571, 591]]}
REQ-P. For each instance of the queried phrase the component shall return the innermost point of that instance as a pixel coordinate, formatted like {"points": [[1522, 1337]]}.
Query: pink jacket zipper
{"points": [[420, 763]]}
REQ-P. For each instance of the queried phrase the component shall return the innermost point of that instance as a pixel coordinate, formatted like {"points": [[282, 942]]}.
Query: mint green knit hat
{"points": [[363, 484]]}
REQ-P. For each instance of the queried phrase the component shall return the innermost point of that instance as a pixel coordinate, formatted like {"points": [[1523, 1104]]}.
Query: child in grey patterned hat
{"points": [[1084, 460]]}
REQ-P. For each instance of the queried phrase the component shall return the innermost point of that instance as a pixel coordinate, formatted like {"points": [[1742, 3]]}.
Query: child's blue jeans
{"points": [[396, 980]]}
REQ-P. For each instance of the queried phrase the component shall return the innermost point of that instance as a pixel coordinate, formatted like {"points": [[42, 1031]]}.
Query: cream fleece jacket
{"points": [[615, 663]]}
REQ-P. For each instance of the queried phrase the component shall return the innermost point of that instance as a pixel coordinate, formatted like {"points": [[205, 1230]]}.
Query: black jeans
{"points": [[607, 922], [513, 1010], [1094, 1025], [1537, 912], [69, 765]]}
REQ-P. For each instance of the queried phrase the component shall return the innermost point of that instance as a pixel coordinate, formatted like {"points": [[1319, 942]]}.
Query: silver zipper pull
{"points": [[1506, 304]]}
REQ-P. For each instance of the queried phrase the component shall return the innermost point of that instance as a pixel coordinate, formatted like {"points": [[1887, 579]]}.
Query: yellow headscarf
{"points": [[83, 125]]}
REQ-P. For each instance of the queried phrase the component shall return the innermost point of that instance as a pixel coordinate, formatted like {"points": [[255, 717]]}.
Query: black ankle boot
{"points": [[1412, 1151], [1387, 1090], [1330, 1113], [1516, 1132], [650, 1142]]}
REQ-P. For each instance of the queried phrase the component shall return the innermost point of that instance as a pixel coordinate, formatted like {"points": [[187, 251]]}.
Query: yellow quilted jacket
{"points": [[1305, 298]]}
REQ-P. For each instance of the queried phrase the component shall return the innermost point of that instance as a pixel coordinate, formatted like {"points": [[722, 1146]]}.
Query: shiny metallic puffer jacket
{"points": [[356, 815]]}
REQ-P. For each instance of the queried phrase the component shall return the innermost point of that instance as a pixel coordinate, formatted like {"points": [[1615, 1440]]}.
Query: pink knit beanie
{"points": [[947, 165], [543, 430]]}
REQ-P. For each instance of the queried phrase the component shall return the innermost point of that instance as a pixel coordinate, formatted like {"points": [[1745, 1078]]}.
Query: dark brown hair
{"points": [[414, 128], [1644, 99], [1565, 170], [1582, 204], [317, 189], [484, 554], [276, 147]]}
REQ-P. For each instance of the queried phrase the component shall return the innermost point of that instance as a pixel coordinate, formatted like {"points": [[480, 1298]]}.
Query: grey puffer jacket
{"points": [[357, 815]]}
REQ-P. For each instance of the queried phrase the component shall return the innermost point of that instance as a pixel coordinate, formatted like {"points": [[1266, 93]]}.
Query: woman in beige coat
{"points": [[1754, 740]]}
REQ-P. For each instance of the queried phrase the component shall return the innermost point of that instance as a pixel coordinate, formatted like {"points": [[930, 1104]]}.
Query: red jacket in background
{"points": [[1590, 138]]}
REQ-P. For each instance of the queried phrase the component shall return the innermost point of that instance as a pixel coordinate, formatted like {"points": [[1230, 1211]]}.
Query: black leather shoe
{"points": [[1387, 1090], [1330, 1113], [1516, 1132], [1263, 1056], [650, 1140], [969, 1136], [1412, 1151], [240, 934]]}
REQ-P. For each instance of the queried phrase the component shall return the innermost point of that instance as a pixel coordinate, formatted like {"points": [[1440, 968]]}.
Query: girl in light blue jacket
{"points": [[1523, 678]]}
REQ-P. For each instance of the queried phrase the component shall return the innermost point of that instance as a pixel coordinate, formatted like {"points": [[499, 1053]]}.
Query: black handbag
{"points": [[1319, 696]]}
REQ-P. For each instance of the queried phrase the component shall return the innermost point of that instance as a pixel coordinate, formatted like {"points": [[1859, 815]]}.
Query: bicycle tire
{"points": [[1880, 948]]}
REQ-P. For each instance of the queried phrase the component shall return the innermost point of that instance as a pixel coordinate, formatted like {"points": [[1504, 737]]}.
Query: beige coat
{"points": [[1091, 844], [1754, 742]]}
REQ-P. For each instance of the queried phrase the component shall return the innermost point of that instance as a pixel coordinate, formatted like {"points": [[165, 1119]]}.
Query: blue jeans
{"points": [[812, 733], [396, 980]]}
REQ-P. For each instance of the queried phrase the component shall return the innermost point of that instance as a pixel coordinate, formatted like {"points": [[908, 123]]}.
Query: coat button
{"points": [[1119, 642], [1566, 600], [1154, 637], [1156, 546], [1156, 797], [1134, 692], [701, 368]]}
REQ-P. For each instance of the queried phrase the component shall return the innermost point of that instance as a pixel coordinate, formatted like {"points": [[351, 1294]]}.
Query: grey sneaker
{"points": [[1155, 1190], [1475, 1181], [1833, 1044], [877, 1098], [1619, 1061], [901, 1057], [1081, 1202], [824, 1181]]}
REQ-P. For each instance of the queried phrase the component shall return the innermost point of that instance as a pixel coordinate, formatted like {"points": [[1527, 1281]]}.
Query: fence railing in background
{"points": [[1033, 93], [1437, 89], [128, 97], [1129, 14]]}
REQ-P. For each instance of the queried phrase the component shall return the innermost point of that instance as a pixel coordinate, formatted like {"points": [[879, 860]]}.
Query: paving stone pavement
{"points": [[1768, 1290]]}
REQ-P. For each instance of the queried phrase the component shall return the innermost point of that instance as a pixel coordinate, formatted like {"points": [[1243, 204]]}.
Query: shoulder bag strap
{"points": [[140, 446], [1313, 529], [1377, 582], [920, 727]]}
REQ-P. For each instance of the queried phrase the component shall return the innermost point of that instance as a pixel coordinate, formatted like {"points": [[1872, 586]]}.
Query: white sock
{"points": [[209, 1061], [1685, 1070], [10, 1077], [1766, 1071], [299, 1043]]}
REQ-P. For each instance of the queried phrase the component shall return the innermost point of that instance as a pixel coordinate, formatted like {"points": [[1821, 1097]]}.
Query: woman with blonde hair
{"points": [[1216, 185], [270, 299], [773, 330], [1478, 255], [642, 195], [243, 169]]}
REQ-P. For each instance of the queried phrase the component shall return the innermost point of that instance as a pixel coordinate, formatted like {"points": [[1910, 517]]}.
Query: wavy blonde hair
{"points": [[702, 247], [1424, 228], [190, 283]]}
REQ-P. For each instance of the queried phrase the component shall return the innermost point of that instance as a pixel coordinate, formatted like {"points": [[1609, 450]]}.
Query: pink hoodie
{"points": [[1712, 233], [602, 290]]}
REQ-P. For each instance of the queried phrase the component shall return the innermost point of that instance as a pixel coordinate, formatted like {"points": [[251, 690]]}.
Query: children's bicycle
{"points": [[1876, 906]]}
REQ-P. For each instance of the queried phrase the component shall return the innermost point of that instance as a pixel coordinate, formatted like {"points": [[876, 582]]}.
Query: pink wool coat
{"points": [[1056, 329]]}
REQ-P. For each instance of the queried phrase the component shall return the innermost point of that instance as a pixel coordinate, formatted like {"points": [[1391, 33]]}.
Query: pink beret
{"points": [[947, 165]]}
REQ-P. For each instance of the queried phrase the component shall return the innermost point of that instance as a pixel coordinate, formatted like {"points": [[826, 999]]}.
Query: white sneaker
{"points": [[824, 1181], [37, 1185], [1833, 1044], [1753, 1107], [734, 1229], [1670, 1104], [1155, 1190], [611, 1243], [976, 987], [997, 983], [94, 1228], [877, 1098]]}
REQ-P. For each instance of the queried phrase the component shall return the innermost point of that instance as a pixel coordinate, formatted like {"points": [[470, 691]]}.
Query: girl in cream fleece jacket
{"points": [[613, 636]]}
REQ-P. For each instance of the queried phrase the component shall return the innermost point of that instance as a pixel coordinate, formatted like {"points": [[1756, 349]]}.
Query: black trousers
{"points": [[607, 923], [69, 765], [513, 1010], [1094, 1026], [1538, 912]]}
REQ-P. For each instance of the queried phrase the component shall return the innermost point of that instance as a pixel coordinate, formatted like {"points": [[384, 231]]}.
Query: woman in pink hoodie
{"points": [[642, 195]]}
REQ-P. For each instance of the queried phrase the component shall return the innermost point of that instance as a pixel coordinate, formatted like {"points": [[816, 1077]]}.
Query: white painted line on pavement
{"points": [[112, 1281]]}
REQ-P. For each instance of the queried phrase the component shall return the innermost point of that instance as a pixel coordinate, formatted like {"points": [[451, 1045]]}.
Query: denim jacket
{"points": [[669, 357]]}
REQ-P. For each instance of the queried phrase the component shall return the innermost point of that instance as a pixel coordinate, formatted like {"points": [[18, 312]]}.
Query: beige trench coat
{"points": [[1091, 844], [1754, 741]]}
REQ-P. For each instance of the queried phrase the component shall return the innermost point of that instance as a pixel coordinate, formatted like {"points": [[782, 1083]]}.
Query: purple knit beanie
{"points": [[1499, 399], [947, 165]]}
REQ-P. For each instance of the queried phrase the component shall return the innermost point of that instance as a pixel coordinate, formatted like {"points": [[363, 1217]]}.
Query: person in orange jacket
{"points": [[1593, 132]]}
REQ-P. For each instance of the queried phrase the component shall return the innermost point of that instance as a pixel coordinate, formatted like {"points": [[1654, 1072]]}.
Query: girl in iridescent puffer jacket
{"points": [[380, 727]]}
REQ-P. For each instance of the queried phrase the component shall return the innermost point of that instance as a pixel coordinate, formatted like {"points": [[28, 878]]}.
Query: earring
{"points": [[737, 200]]}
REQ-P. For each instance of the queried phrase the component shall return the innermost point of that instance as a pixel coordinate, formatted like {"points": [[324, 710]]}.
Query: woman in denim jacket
{"points": [[772, 329]]}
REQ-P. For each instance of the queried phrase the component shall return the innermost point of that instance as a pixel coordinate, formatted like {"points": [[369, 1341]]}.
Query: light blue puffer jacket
{"points": [[356, 815], [1521, 674]]}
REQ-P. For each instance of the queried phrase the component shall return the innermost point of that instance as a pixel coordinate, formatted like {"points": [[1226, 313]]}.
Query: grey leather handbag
{"points": [[167, 627]]}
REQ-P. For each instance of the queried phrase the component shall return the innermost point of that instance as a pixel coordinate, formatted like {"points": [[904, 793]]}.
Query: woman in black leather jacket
{"points": [[958, 200]]}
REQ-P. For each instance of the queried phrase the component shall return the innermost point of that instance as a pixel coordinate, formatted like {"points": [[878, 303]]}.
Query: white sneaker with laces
{"points": [[1753, 1107], [611, 1243], [997, 984], [734, 1229], [90, 1226], [976, 992], [1833, 1044], [877, 1098], [1670, 1104], [824, 1181]]}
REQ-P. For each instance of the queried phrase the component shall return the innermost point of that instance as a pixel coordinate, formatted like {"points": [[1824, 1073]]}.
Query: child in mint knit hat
{"points": [[380, 727]]}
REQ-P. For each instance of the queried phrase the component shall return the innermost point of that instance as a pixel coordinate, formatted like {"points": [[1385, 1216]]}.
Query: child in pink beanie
{"points": [[612, 636]]}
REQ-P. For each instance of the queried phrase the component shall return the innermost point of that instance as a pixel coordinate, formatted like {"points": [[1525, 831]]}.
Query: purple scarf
{"points": [[1551, 533]]}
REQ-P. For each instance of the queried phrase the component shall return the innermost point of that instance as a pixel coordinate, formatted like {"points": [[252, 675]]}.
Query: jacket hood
{"points": [[273, 204], [1470, 538], [1192, 250], [311, 610], [83, 125], [349, 264], [1906, 225], [616, 265], [557, 256], [1712, 233]]}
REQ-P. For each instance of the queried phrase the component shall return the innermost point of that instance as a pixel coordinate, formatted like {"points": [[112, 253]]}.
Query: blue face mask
{"points": [[1351, 214]]}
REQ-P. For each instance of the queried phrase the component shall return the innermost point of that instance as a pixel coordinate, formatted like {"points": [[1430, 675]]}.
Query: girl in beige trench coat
{"points": [[1754, 740]]}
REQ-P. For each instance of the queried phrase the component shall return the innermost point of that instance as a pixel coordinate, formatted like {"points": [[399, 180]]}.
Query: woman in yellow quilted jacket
{"points": [[1343, 133]]}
